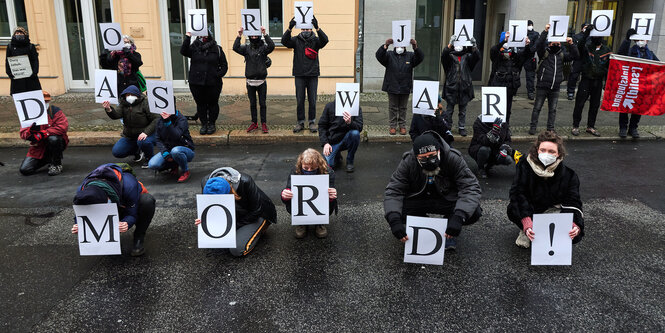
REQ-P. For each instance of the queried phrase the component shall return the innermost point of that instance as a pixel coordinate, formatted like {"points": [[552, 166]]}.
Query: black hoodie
{"points": [[302, 65], [255, 57]]}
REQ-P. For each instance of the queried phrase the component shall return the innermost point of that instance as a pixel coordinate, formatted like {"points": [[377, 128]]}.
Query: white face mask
{"points": [[128, 45], [641, 43], [47, 106], [459, 48], [546, 158], [131, 99], [530, 28], [399, 50]]}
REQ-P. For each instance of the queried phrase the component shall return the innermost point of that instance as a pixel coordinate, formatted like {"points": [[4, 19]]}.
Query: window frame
{"points": [[11, 19], [264, 19]]}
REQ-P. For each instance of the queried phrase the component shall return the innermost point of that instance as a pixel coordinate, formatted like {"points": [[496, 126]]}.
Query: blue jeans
{"points": [[181, 155], [350, 142], [126, 147]]}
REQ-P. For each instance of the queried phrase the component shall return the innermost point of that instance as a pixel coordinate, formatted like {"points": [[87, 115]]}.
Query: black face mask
{"points": [[255, 41], [596, 41], [431, 163], [19, 38], [554, 49], [306, 34]]}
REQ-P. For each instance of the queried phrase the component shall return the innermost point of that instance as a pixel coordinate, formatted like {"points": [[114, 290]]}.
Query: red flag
{"points": [[635, 85]]}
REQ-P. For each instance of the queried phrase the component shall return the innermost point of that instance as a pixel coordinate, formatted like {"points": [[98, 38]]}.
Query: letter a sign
{"points": [[99, 233], [425, 97], [347, 98], [401, 33], [426, 240], [197, 22], [106, 86], [31, 108], [310, 204], [217, 213]]}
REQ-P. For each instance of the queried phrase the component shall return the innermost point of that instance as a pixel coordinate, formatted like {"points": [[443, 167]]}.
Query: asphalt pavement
{"points": [[355, 279]]}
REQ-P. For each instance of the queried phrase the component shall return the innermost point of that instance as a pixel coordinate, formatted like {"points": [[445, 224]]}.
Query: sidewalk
{"points": [[89, 125]]}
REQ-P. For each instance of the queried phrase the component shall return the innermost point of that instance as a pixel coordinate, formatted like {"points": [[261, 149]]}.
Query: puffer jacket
{"points": [[458, 88], [455, 182], [208, 64], [302, 65], [550, 70], [136, 118], [398, 78]]}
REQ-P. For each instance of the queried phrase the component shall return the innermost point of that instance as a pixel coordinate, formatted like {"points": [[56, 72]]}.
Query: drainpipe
{"points": [[359, 52]]}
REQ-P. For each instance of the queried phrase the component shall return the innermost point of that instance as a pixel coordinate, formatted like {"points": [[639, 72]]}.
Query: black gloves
{"points": [[292, 23], [397, 227], [455, 224], [34, 128], [587, 32], [315, 23], [630, 32]]}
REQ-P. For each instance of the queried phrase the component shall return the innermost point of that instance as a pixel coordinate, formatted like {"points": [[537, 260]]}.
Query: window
{"points": [[272, 15], [12, 14]]}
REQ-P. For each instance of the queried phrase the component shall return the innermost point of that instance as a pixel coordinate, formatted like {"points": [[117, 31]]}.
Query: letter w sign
{"points": [[98, 229]]}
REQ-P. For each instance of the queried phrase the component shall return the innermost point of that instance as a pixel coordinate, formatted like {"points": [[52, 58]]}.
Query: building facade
{"points": [[66, 33]]}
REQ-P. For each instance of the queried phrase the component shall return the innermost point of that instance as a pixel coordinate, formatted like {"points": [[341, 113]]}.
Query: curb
{"points": [[283, 134]]}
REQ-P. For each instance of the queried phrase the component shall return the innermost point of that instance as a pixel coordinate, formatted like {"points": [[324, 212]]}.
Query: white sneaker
{"points": [[522, 240]]}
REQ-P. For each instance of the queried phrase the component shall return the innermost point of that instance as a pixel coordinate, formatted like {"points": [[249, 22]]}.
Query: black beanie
{"points": [[90, 195], [425, 143], [529, 22]]}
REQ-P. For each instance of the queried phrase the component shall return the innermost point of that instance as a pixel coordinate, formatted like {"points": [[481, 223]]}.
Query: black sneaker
{"points": [[138, 249], [298, 128], [462, 132], [531, 97], [571, 96], [204, 129], [532, 131], [482, 174], [313, 128], [634, 133], [623, 133], [211, 128], [349, 168]]}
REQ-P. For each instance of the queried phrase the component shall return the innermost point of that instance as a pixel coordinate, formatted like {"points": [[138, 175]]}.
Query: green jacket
{"points": [[136, 118]]}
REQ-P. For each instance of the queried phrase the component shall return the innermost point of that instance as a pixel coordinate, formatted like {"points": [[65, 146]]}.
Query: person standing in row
{"points": [[398, 80], [207, 68], [458, 63], [530, 64], [595, 58], [642, 51], [256, 71], [127, 62], [20, 46], [550, 75], [306, 46], [576, 67]]}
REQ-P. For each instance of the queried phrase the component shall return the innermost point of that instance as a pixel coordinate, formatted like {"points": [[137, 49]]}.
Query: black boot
{"points": [[211, 128], [204, 128], [138, 249]]}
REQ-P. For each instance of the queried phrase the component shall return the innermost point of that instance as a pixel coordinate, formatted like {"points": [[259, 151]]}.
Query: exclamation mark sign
{"points": [[551, 253]]}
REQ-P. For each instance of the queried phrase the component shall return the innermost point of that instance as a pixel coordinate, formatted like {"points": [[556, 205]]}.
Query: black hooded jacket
{"points": [[506, 72], [480, 130], [398, 78], [302, 65], [550, 70], [421, 123], [255, 57], [332, 128], [458, 88], [208, 64], [19, 48], [173, 135]]}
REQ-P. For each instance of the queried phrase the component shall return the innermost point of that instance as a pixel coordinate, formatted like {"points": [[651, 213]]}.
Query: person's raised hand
{"points": [[315, 23], [240, 31], [263, 30], [547, 27], [188, 34], [630, 32], [292, 23], [389, 41], [569, 40], [414, 44]]}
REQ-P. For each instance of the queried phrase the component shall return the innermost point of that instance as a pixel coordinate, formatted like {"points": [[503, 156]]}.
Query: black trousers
{"points": [[55, 145], [572, 82], [530, 74], [251, 93], [207, 101], [146, 212], [510, 94], [423, 206], [634, 121], [591, 89], [310, 85]]}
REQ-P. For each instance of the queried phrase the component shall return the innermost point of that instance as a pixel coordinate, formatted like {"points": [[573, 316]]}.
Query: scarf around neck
{"points": [[538, 169]]}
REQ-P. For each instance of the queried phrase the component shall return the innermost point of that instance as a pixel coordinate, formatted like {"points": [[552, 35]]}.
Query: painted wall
{"points": [[650, 6]]}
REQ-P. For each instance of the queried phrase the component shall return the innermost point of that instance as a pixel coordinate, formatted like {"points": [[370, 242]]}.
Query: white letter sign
{"points": [[304, 13], [197, 22], [426, 240], [111, 36], [20, 66], [552, 244], [251, 22], [517, 29], [31, 108], [99, 232], [217, 213], [425, 97], [643, 24], [401, 33], [602, 23], [494, 103], [160, 96], [106, 86], [347, 98], [558, 29], [310, 204], [464, 32]]}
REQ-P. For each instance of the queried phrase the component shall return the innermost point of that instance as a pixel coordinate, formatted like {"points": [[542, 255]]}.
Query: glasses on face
{"points": [[426, 157]]}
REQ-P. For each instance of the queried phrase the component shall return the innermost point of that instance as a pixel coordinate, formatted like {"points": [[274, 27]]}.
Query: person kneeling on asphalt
{"points": [[116, 183], [175, 144], [338, 133], [543, 184], [490, 145], [47, 142], [138, 132], [434, 179], [421, 123], [255, 212], [310, 162]]}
